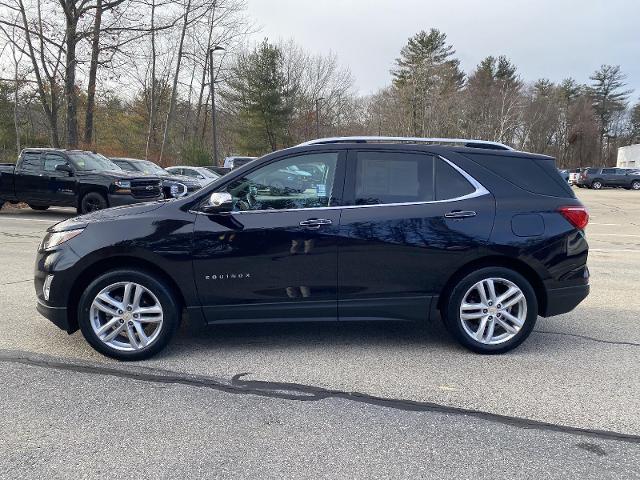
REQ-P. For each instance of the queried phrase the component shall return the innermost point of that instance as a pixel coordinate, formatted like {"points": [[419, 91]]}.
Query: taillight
{"points": [[576, 216]]}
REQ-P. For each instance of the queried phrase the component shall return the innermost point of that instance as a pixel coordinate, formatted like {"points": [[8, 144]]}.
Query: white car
{"points": [[204, 175]]}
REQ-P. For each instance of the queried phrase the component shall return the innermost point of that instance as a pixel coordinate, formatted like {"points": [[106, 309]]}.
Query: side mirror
{"points": [[64, 167], [219, 202]]}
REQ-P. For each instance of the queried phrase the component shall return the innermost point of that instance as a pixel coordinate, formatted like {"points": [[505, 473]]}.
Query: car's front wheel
{"points": [[128, 314], [491, 310], [596, 184], [92, 202]]}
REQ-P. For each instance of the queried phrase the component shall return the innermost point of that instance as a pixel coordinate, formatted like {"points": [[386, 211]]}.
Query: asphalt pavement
{"points": [[356, 400]]}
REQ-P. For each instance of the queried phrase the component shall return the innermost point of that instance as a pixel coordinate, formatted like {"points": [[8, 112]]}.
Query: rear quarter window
{"points": [[31, 162], [534, 175]]}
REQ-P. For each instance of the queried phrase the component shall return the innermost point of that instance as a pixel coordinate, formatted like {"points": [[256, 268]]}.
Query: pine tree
{"points": [[426, 73], [262, 96], [609, 98]]}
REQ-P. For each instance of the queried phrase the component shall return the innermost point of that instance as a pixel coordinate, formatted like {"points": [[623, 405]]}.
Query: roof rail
{"points": [[372, 139]]}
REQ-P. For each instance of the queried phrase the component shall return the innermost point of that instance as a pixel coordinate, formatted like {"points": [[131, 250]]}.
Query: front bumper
{"points": [[563, 300], [57, 315]]}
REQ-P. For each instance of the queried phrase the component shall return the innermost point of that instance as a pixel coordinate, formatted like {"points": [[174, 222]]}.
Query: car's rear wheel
{"points": [[92, 202], [596, 184], [40, 208], [635, 185], [491, 310], [128, 314]]}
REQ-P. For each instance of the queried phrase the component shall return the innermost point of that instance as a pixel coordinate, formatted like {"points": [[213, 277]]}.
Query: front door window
{"points": [[305, 181]]}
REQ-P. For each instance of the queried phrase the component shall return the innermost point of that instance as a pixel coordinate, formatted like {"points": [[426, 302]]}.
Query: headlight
{"points": [[123, 183], [54, 239], [178, 190]]}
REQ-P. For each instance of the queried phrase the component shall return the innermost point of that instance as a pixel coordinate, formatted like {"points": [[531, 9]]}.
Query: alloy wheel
{"points": [[92, 205], [493, 311], [126, 316]]}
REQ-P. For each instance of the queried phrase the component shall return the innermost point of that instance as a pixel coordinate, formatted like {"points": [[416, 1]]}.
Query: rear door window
{"points": [[393, 177], [383, 178], [31, 162]]}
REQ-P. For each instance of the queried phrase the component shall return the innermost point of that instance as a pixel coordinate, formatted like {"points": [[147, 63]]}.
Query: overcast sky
{"points": [[544, 38]]}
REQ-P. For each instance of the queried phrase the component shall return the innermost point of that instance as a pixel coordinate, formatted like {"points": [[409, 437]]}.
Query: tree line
{"points": [[135, 78]]}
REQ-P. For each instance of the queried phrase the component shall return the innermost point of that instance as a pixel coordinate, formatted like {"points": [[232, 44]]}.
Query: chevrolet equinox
{"points": [[340, 229]]}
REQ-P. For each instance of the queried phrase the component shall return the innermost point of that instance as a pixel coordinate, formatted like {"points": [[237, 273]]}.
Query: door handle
{"points": [[315, 223], [460, 214]]}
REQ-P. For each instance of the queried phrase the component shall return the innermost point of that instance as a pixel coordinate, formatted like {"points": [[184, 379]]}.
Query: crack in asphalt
{"points": [[586, 337], [17, 281], [20, 235], [307, 393]]}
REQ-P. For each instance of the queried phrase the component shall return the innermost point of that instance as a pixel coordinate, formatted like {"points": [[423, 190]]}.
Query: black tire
{"points": [[635, 185], [450, 310], [171, 312], [39, 208], [596, 184], [91, 202]]}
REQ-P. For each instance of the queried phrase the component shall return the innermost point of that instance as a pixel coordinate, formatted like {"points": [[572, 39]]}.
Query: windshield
{"points": [[208, 173], [92, 161], [149, 167]]}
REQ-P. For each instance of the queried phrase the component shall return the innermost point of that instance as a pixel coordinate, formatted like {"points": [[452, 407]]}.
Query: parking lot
{"points": [[382, 400]]}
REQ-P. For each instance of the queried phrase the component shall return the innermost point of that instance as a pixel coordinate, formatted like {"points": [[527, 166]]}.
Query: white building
{"points": [[629, 157]]}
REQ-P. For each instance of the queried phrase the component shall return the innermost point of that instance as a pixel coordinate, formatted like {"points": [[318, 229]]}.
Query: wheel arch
{"points": [[94, 270], [104, 191], [497, 261]]}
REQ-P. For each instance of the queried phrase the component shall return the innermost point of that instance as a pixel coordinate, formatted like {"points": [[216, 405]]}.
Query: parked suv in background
{"points": [[45, 177], [598, 178], [390, 229], [173, 186]]}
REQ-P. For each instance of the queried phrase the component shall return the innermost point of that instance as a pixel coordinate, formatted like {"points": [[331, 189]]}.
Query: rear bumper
{"points": [[57, 315], [563, 300]]}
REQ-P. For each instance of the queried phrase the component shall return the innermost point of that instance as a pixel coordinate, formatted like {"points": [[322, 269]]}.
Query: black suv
{"points": [[45, 177], [389, 229], [173, 186], [598, 178]]}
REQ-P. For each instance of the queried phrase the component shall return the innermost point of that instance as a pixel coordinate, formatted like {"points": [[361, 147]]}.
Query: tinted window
{"points": [[450, 183], [92, 161], [592, 171], [190, 173], [50, 162], [304, 181], [125, 165], [393, 177], [536, 175], [609, 171], [31, 162]]}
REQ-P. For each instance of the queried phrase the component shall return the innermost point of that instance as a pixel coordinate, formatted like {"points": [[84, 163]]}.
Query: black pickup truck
{"points": [[45, 177]]}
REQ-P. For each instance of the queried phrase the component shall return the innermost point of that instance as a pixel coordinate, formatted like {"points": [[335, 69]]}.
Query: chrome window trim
{"points": [[480, 191]]}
